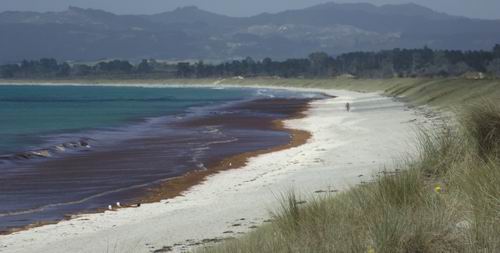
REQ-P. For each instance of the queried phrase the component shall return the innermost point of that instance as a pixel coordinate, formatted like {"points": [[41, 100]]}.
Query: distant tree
{"points": [[81, 70], [9, 71], [494, 68], [478, 60], [48, 66], [320, 62], [200, 69], [115, 66], [402, 61], [184, 69], [387, 68], [294, 68], [386, 63], [218, 70], [459, 69], [28, 67], [144, 67], [64, 70], [124, 66], [249, 66], [496, 51], [360, 63], [441, 64], [454, 56], [267, 66], [235, 68], [422, 61], [427, 55]]}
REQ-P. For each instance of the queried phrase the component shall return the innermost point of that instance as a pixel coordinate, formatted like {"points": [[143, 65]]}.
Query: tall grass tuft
{"points": [[438, 150], [482, 123], [445, 200]]}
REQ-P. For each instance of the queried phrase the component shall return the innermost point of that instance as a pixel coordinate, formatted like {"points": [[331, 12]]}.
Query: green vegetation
{"points": [[446, 93], [384, 64], [447, 199]]}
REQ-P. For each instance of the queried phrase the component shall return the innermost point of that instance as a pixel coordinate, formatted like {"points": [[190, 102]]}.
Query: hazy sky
{"points": [[472, 8]]}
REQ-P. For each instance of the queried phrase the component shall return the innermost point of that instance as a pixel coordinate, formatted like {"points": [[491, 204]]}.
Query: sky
{"points": [[486, 9]]}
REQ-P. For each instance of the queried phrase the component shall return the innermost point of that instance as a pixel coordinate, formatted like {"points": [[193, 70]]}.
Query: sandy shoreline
{"points": [[177, 187], [345, 149]]}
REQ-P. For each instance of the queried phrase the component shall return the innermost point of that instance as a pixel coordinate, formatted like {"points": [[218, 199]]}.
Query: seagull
{"points": [[118, 204], [110, 207]]}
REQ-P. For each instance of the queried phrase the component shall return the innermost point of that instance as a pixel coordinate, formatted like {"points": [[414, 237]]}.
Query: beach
{"points": [[344, 149]]}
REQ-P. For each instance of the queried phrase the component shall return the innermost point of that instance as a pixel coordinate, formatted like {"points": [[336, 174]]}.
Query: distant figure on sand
{"points": [[348, 107]]}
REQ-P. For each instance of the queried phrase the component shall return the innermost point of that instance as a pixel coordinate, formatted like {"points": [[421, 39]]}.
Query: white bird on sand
{"points": [[110, 207], [118, 204]]}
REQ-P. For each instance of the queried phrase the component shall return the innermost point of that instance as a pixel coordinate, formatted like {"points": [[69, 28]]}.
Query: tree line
{"points": [[423, 62]]}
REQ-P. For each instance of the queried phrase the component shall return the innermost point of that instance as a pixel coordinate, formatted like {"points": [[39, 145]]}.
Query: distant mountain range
{"points": [[190, 33]]}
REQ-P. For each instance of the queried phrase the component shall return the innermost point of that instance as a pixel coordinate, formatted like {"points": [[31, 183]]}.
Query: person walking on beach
{"points": [[347, 107]]}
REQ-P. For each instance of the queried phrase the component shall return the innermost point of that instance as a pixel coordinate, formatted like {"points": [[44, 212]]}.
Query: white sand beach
{"points": [[346, 148]]}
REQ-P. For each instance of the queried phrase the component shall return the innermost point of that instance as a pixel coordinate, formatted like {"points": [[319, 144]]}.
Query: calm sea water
{"points": [[29, 115], [137, 138]]}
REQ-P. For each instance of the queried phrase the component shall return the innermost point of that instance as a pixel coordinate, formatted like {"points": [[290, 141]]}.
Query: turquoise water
{"points": [[28, 113]]}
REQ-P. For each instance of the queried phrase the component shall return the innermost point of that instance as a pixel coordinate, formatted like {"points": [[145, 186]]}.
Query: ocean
{"points": [[29, 115], [71, 149]]}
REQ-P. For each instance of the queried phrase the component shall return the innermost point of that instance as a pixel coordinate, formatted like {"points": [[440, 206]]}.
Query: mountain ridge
{"points": [[189, 32]]}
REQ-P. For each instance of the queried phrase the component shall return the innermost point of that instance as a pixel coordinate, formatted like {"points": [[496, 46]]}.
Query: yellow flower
{"points": [[438, 189]]}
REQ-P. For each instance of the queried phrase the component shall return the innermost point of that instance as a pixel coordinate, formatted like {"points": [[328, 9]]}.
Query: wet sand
{"points": [[295, 109]]}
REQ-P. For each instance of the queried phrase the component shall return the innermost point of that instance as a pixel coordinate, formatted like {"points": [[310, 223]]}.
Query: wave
{"points": [[81, 144]]}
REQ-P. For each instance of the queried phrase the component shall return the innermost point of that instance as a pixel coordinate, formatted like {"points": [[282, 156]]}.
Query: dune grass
{"points": [[447, 199], [442, 92]]}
